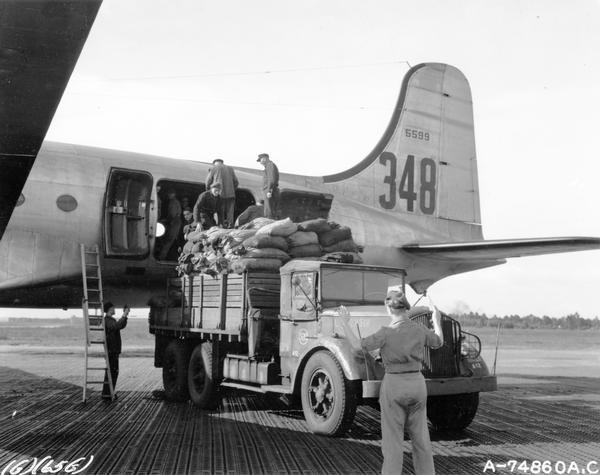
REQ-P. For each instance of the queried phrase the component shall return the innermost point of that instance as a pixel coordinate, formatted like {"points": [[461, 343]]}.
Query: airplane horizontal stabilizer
{"points": [[501, 248]]}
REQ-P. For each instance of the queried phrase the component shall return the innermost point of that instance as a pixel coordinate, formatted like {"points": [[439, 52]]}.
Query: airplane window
{"points": [[160, 229], [66, 203]]}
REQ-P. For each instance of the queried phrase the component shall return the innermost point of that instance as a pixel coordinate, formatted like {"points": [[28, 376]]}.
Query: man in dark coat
{"points": [[225, 175], [113, 329], [207, 205], [270, 185]]}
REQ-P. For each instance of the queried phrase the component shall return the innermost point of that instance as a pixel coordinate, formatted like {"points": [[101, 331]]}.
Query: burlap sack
{"points": [[318, 225], [302, 238], [260, 241], [267, 253], [335, 235], [310, 250], [240, 265], [283, 227], [347, 245]]}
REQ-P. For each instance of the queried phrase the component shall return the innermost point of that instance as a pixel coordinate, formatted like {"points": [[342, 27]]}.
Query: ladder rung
{"points": [[97, 342], [93, 277], [95, 368], [93, 290], [96, 329], [93, 302], [95, 382], [91, 252]]}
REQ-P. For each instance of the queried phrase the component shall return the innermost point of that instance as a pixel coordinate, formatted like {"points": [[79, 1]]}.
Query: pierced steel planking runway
{"points": [[529, 418]]}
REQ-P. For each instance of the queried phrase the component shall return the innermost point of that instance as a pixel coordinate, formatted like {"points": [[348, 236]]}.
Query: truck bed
{"points": [[218, 305]]}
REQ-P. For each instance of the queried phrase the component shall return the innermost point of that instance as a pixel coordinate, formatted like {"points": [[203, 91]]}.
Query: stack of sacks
{"points": [[210, 251], [336, 241], [304, 244], [264, 244], [267, 249]]}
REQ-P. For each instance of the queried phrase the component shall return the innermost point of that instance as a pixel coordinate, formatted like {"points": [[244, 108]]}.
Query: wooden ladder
{"points": [[96, 362]]}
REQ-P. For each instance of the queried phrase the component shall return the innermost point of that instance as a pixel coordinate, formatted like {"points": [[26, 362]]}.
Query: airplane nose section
{"points": [[29, 258]]}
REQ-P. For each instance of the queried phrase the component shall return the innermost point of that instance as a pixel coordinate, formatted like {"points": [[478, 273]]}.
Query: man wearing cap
{"points": [[225, 175], [270, 185], [207, 205], [113, 329], [403, 394]]}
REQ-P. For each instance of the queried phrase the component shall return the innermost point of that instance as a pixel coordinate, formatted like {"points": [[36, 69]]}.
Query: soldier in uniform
{"points": [[403, 394]]}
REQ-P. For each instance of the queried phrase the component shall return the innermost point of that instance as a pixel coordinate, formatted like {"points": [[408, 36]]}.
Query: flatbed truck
{"points": [[279, 332]]}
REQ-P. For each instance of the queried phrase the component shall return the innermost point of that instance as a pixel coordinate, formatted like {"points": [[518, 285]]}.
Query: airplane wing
{"points": [[40, 41], [501, 248]]}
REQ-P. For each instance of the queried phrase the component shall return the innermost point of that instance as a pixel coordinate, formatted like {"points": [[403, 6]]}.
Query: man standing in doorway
{"points": [[173, 225], [270, 185], [113, 329], [225, 175]]}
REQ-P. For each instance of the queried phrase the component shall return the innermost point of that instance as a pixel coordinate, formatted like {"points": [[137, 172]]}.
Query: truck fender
{"points": [[353, 368]]}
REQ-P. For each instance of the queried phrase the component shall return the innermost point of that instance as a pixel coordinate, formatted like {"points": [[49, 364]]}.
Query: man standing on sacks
{"points": [[225, 176], [270, 185]]}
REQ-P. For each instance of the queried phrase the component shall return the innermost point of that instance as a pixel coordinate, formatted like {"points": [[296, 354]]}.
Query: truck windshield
{"points": [[354, 286]]}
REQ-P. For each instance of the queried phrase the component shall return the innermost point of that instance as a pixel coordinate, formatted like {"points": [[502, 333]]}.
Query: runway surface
{"points": [[530, 418]]}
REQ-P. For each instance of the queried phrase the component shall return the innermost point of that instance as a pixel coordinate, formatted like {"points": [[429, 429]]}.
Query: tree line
{"points": [[572, 321]]}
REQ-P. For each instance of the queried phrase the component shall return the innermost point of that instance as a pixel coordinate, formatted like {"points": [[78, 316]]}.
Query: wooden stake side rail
{"points": [[218, 307]]}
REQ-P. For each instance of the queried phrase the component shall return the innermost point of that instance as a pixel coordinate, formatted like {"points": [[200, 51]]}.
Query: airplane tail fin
{"points": [[424, 168]]}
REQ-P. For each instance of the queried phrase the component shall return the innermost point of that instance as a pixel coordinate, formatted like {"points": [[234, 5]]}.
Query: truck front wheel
{"points": [[328, 398], [202, 377], [174, 361], [452, 412]]}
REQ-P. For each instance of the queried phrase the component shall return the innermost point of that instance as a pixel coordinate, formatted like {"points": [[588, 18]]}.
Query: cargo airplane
{"points": [[413, 202]]}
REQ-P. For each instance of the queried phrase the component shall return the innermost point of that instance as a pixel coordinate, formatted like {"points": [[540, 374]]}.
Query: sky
{"points": [[313, 83]]}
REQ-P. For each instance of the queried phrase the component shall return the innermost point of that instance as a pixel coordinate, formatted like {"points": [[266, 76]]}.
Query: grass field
{"points": [[67, 333], [520, 351]]}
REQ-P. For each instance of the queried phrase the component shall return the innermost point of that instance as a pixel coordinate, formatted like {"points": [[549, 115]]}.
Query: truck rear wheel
{"points": [[452, 412], [202, 377], [175, 362], [328, 398]]}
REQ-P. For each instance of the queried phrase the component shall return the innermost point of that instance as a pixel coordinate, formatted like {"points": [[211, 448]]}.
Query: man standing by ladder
{"points": [[113, 344]]}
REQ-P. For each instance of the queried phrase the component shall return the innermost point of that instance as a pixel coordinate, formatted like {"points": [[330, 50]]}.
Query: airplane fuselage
{"points": [[71, 197]]}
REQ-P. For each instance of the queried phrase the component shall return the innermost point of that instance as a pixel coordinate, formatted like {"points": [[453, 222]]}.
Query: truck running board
{"points": [[273, 388]]}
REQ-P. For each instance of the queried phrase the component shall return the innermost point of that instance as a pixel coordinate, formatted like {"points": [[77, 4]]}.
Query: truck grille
{"points": [[442, 362]]}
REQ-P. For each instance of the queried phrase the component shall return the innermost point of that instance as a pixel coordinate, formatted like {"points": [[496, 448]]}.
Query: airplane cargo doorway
{"points": [[126, 213], [186, 193], [167, 245], [300, 205]]}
